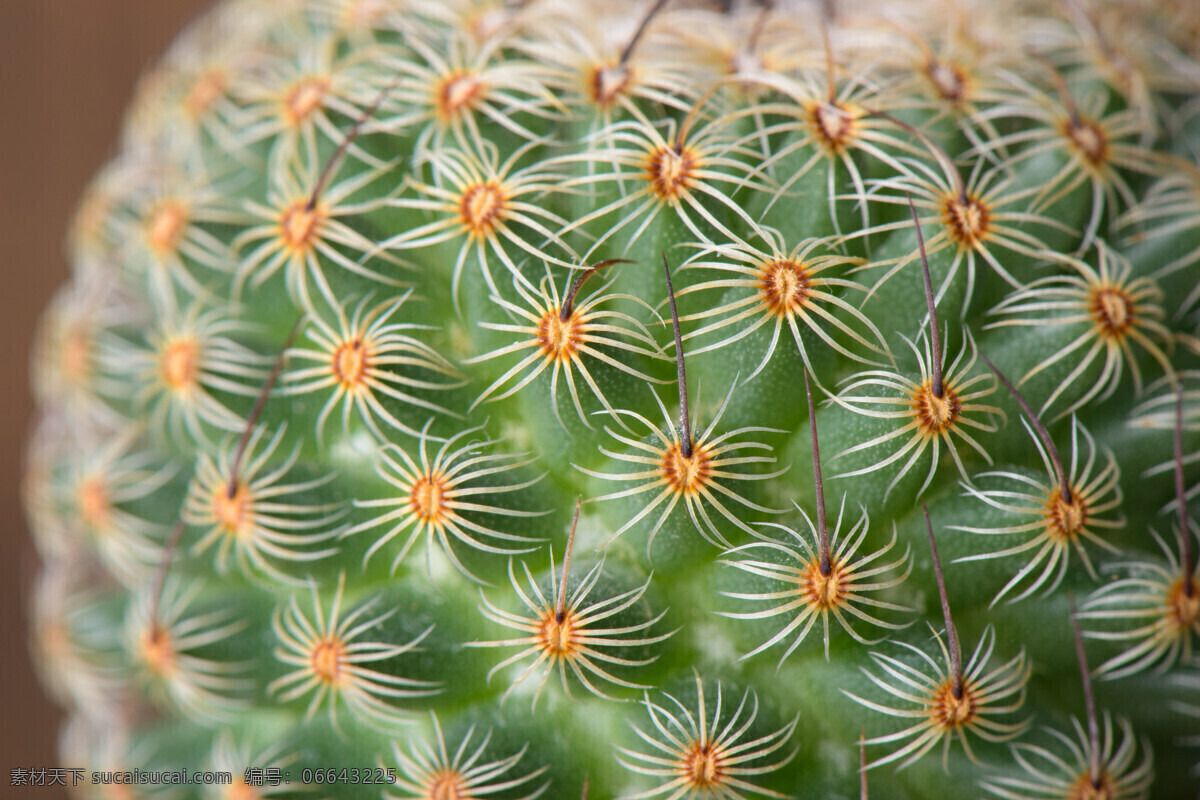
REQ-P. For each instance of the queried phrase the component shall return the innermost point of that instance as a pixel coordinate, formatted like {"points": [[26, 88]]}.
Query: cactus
{"points": [[465, 398]]}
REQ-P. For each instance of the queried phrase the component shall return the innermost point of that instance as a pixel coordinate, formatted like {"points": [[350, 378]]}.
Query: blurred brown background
{"points": [[67, 70]]}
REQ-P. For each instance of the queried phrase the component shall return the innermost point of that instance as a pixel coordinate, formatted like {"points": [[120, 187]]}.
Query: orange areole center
{"points": [[558, 339], [76, 351], [428, 498], [232, 513], [298, 226], [457, 94], [832, 125], [949, 81], [205, 92], [158, 651], [448, 785], [951, 712], [328, 660], [1088, 140], [683, 474], [1183, 609], [671, 173], [606, 84], [54, 639], [557, 634], [165, 226], [825, 591], [179, 364], [783, 286], [1065, 520], [1085, 789], [934, 414], [95, 507], [239, 790], [305, 97], [350, 362], [481, 207], [967, 219], [702, 766], [1112, 310]]}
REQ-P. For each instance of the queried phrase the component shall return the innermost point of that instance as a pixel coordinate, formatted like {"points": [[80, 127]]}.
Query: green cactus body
{"points": [[373, 301]]}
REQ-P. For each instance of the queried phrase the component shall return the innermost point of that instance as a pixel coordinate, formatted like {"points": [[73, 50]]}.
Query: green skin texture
{"points": [[574, 737]]}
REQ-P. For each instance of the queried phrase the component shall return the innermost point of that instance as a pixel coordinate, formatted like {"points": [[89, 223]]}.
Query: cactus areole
{"points": [[563, 398]]}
